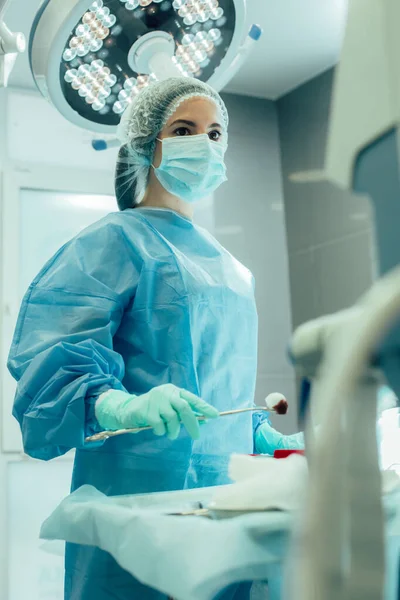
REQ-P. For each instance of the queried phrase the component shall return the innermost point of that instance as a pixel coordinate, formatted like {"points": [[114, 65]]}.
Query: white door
{"points": [[39, 222]]}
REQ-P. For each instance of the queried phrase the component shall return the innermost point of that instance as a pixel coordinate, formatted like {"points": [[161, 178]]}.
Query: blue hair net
{"points": [[141, 124]]}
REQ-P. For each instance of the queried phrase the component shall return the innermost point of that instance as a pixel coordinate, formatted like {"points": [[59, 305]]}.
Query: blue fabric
{"points": [[192, 167], [140, 299], [267, 440], [192, 557]]}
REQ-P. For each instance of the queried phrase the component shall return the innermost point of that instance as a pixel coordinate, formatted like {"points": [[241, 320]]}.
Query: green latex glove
{"points": [[164, 409]]}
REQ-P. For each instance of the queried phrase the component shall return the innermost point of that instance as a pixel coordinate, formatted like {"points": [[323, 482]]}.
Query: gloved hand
{"points": [[164, 409], [267, 440]]}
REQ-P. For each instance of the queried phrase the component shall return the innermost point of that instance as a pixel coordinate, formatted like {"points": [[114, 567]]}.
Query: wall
{"points": [[329, 231], [250, 222], [3, 464]]}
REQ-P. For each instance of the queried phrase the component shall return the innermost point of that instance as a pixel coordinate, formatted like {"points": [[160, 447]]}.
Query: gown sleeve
{"points": [[62, 354]]}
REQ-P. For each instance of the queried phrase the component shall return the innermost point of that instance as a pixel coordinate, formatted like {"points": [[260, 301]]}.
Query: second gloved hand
{"points": [[164, 409], [267, 440]]}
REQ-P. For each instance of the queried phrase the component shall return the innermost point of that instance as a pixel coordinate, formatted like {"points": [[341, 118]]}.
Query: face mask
{"points": [[192, 167]]}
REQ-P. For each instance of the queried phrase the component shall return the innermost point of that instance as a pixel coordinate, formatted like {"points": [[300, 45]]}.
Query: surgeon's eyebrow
{"points": [[185, 122], [192, 123]]}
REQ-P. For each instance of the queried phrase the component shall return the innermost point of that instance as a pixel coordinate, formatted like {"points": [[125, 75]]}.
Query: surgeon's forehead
{"points": [[199, 110]]}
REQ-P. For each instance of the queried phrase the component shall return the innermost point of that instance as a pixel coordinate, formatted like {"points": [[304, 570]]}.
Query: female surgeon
{"points": [[144, 319]]}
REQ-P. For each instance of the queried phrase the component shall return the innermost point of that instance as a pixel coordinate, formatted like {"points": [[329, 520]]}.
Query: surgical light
{"points": [[90, 58], [11, 44]]}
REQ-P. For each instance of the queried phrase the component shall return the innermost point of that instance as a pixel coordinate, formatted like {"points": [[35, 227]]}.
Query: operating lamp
{"points": [[11, 44], [90, 59]]}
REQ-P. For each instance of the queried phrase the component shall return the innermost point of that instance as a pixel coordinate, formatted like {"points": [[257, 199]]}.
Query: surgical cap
{"points": [[141, 124]]}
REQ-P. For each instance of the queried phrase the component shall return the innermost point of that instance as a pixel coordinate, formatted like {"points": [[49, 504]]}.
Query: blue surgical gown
{"points": [[139, 299]]}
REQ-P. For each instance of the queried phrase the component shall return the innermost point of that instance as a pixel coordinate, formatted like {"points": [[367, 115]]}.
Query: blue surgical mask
{"points": [[192, 166]]}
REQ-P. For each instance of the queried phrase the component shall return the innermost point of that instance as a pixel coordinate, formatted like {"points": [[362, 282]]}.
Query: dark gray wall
{"points": [[328, 231], [250, 223]]}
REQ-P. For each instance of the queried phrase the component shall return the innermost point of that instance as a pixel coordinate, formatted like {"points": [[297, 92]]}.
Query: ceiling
{"points": [[301, 39]]}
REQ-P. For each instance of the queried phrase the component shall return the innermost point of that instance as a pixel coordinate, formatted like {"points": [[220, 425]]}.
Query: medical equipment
{"points": [[136, 529], [104, 435], [262, 484], [90, 59], [277, 402], [259, 485], [348, 491], [11, 44], [342, 553]]}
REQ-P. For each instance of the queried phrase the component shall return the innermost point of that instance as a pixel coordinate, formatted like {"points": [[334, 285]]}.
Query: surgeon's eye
{"points": [[182, 131], [215, 135]]}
